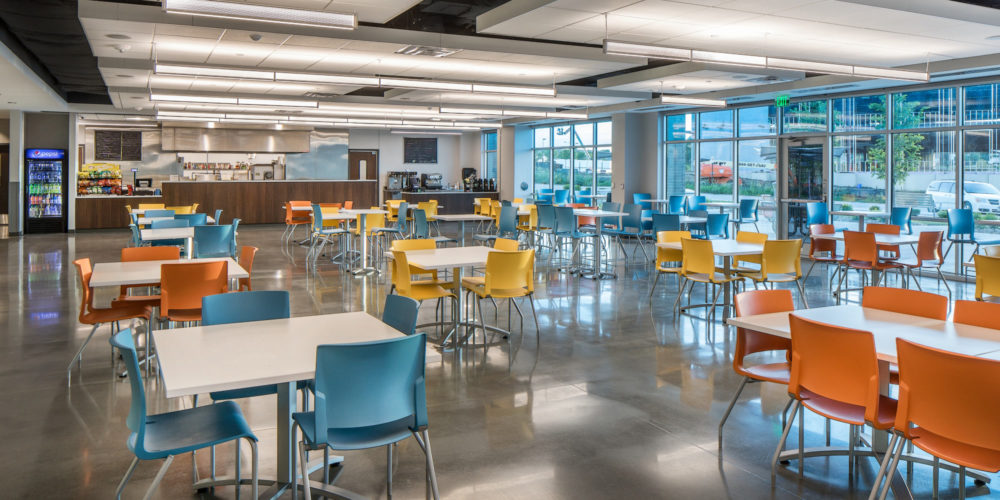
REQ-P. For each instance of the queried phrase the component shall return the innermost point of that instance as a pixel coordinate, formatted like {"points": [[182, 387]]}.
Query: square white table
{"points": [[145, 221], [171, 233], [365, 268], [204, 359], [148, 271], [727, 249], [461, 219], [880, 238]]}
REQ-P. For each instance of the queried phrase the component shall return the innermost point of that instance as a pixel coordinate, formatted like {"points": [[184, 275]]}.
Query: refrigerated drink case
{"points": [[45, 192]]}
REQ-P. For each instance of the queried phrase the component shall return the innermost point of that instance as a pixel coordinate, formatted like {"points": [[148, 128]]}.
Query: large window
{"points": [[859, 173], [490, 154], [716, 125], [573, 156], [853, 114], [803, 117], [715, 170], [981, 187], [761, 120], [924, 109]]}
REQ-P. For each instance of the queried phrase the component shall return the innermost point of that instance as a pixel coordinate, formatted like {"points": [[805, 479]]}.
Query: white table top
{"points": [[236, 356], [362, 211], [684, 220], [299, 208], [589, 212], [886, 326], [461, 217], [882, 239], [722, 204], [858, 213], [167, 233], [448, 258], [148, 271], [141, 211], [723, 248], [150, 220], [339, 216], [592, 196], [654, 200]]}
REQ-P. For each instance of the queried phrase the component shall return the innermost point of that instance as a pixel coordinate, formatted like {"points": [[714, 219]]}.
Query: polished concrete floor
{"points": [[621, 401]]}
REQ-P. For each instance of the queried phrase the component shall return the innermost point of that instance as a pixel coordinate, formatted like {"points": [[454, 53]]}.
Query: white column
{"points": [[72, 153], [16, 159]]}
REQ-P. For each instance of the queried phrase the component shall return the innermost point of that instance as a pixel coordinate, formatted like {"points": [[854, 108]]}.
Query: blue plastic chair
{"points": [[962, 229], [677, 204], [167, 435], [566, 230], [579, 196], [561, 197], [631, 227], [506, 228], [699, 229], [218, 216], [544, 196], [638, 197], [696, 203], [321, 233], [169, 223], [213, 241], [368, 395], [717, 225], [900, 216], [401, 313], [136, 239], [817, 213], [666, 222], [748, 212], [158, 213], [647, 225], [193, 219], [236, 224]]}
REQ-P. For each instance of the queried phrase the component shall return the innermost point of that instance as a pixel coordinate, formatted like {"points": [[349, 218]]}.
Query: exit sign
{"points": [[781, 101]]}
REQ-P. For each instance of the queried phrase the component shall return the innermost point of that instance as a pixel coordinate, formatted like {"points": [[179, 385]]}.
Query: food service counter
{"points": [[451, 202]]}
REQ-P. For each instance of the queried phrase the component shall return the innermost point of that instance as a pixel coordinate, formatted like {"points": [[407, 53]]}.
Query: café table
{"points": [[365, 268], [599, 215], [461, 219], [148, 271], [203, 359], [722, 205], [171, 233], [145, 221], [860, 214], [653, 201], [726, 249]]}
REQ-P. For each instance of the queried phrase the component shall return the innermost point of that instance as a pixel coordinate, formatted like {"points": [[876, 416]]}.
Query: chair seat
{"points": [[524, 227], [778, 373], [330, 231], [913, 263], [182, 315], [479, 288], [849, 413], [987, 243], [136, 300], [443, 239], [971, 456], [354, 438], [716, 277], [192, 429], [878, 266], [115, 313], [484, 237], [576, 235], [772, 277], [667, 269], [250, 392], [424, 291]]}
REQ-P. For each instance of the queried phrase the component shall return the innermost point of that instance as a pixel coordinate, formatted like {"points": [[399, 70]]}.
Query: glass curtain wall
{"points": [[573, 157], [490, 154]]}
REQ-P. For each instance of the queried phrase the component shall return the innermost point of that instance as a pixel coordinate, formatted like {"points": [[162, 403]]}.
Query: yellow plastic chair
{"points": [[664, 256], [781, 262], [495, 212], [152, 206], [393, 207], [416, 244], [194, 208], [698, 266], [509, 275], [740, 262], [518, 200], [528, 224], [482, 206], [417, 290], [372, 222], [181, 209], [987, 277], [128, 213], [505, 245]]}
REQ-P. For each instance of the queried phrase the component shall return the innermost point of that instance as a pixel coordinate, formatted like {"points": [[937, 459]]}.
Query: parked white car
{"points": [[980, 197]]}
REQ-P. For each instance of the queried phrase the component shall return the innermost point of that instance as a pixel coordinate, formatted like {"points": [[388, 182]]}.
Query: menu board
{"points": [[116, 145], [420, 150]]}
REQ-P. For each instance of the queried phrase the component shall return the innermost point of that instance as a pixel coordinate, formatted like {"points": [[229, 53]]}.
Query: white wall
{"points": [[454, 152]]}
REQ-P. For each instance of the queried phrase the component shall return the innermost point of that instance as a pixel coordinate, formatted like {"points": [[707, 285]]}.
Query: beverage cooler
{"points": [[45, 193]]}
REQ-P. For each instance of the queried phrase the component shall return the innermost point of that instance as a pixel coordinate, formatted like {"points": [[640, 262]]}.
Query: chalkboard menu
{"points": [[116, 145], [420, 150]]}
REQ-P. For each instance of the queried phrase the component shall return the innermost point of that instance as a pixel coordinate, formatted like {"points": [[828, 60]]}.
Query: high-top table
{"points": [[171, 233], [204, 359], [599, 215], [461, 219], [365, 268], [727, 249]]}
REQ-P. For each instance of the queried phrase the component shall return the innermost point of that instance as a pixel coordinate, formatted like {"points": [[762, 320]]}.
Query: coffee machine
{"points": [[432, 182]]}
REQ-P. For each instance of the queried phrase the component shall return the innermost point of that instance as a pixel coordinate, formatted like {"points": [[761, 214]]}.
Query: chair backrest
{"points": [[717, 225], [169, 223], [494, 210], [561, 197], [413, 244], [670, 254], [402, 217], [193, 219], [634, 218], [782, 257], [429, 208], [218, 216], [182, 286], [698, 256], [961, 222], [906, 301], [137, 254], [505, 245], [507, 223], [505, 203], [136, 238], [420, 227], [751, 237], [565, 221], [151, 206], [987, 275], [182, 209], [882, 229], [510, 272], [611, 206], [748, 208], [820, 245], [159, 213], [677, 204], [666, 222], [136, 420], [213, 241], [638, 197], [948, 395], [760, 302], [860, 246], [929, 246], [900, 216], [317, 221], [247, 254], [240, 307], [977, 313], [546, 216], [817, 213], [696, 203], [85, 270], [531, 220], [401, 268], [348, 205], [293, 216], [388, 383], [834, 362], [401, 313], [518, 200]]}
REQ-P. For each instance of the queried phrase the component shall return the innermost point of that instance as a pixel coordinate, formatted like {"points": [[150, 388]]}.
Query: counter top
{"points": [[271, 181], [450, 191], [105, 196]]}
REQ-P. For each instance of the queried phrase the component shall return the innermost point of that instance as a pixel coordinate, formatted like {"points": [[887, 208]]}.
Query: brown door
{"points": [[4, 180], [356, 160]]}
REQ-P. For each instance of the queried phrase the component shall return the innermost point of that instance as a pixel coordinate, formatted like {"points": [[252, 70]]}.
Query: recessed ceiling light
{"points": [[118, 36], [124, 76]]}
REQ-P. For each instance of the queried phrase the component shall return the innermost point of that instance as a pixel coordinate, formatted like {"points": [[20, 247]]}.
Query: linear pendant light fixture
{"points": [[692, 101], [246, 101], [261, 13], [622, 48], [366, 81], [518, 113]]}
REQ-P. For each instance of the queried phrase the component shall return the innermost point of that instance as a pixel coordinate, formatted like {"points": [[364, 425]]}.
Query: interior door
{"points": [[804, 179], [362, 165], [4, 182]]}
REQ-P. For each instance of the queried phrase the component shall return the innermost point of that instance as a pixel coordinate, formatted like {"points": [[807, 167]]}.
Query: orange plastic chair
{"points": [[893, 250], [834, 374], [905, 301], [96, 317], [247, 253], [295, 218], [861, 253], [750, 342], [976, 313], [822, 250], [946, 410], [136, 254], [182, 287], [987, 277], [928, 254]]}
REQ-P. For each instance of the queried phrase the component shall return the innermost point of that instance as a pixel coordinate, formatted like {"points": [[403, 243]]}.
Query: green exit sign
{"points": [[781, 101]]}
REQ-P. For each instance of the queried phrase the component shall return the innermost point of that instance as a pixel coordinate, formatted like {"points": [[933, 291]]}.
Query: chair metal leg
{"points": [[883, 466], [236, 472], [656, 279], [781, 442], [891, 471], [802, 438], [802, 293], [388, 469], [538, 331], [159, 477], [126, 477], [78, 358], [431, 475], [255, 478], [304, 466], [729, 410]]}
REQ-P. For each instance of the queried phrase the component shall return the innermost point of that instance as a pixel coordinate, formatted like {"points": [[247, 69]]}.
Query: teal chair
{"points": [[401, 313], [368, 395], [136, 239], [193, 219], [213, 241], [748, 212], [218, 216], [321, 234], [166, 435], [901, 216], [170, 223], [696, 203], [561, 197], [638, 198], [677, 204], [236, 224], [158, 213]]}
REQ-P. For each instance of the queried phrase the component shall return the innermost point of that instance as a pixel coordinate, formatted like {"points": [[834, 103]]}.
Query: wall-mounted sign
{"points": [[781, 101], [117, 145]]}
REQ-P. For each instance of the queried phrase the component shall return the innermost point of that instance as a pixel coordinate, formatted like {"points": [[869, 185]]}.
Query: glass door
{"points": [[803, 180]]}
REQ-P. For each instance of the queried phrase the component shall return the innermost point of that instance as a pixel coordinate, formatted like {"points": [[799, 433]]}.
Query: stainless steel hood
{"points": [[227, 140]]}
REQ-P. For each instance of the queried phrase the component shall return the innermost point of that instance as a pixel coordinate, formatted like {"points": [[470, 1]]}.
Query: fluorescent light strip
{"points": [[189, 114], [424, 84], [473, 111], [726, 58], [185, 119], [417, 132], [246, 120], [890, 74], [173, 69], [261, 13], [815, 67], [568, 114], [694, 101], [368, 81], [507, 89], [117, 124], [249, 101], [619, 48], [192, 98]]}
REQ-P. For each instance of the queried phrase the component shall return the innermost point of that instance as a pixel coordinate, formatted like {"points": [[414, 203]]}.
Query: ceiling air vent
{"points": [[321, 95], [424, 50]]}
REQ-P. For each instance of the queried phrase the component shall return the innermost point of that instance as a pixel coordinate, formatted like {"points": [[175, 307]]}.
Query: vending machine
{"points": [[45, 190]]}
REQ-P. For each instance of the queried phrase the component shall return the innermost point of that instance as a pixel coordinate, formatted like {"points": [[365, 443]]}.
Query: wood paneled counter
{"points": [[105, 212], [452, 202]]}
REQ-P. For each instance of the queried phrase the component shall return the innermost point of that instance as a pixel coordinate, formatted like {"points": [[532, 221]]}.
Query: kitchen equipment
{"points": [[45, 171], [432, 181]]}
